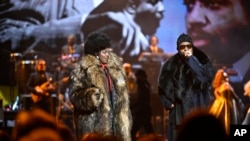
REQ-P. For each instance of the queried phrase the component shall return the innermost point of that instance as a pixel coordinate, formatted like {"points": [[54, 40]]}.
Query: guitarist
{"points": [[40, 85]]}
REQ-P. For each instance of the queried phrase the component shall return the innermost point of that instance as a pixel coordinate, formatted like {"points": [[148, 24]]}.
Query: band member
{"points": [[40, 85], [70, 56], [71, 52]]}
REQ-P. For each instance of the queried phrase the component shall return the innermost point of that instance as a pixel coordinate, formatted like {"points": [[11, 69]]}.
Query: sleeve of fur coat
{"points": [[85, 97]]}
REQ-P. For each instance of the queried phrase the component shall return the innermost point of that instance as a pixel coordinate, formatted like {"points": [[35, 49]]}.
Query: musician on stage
{"points": [[40, 85], [70, 55], [71, 52]]}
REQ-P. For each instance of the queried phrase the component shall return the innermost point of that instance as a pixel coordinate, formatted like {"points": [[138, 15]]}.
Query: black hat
{"points": [[184, 38], [95, 42]]}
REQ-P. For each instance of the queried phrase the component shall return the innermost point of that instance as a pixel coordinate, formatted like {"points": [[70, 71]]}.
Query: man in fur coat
{"points": [[98, 91], [185, 82]]}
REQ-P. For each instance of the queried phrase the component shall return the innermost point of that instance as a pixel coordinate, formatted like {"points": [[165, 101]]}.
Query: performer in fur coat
{"points": [[99, 91], [185, 82]]}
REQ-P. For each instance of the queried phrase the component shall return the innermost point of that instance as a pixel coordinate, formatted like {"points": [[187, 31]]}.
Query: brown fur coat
{"points": [[92, 102]]}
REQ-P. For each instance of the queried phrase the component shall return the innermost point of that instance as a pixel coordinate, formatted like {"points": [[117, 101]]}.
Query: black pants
{"points": [[171, 131], [141, 121]]}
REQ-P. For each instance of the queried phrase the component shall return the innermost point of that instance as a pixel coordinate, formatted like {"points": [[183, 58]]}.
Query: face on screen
{"points": [[153, 11], [213, 24]]}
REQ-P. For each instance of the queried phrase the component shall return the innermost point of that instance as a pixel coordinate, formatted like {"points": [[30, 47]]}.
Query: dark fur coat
{"points": [[92, 101], [186, 83]]}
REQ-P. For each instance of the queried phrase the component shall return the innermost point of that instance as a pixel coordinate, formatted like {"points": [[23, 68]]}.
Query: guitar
{"points": [[43, 90]]}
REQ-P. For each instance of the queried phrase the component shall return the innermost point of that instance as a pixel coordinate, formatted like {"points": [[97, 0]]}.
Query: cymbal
{"points": [[15, 56], [24, 62], [31, 52]]}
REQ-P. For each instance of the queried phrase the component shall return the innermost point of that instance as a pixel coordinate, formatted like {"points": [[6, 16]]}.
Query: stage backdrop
{"points": [[38, 28]]}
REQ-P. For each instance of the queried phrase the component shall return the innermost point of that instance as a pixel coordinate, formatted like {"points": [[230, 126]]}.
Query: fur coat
{"points": [[186, 83], [97, 110]]}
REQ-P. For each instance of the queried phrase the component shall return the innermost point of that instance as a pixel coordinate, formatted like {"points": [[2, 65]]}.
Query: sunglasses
{"points": [[189, 46]]}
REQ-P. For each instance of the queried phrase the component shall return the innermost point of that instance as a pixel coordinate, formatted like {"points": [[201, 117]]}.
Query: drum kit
{"points": [[69, 61]]}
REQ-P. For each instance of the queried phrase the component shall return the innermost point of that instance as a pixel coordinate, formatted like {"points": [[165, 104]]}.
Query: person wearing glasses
{"points": [[98, 91], [185, 81], [41, 85]]}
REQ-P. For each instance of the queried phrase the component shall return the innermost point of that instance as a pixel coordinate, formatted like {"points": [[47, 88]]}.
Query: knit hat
{"points": [[95, 42], [184, 38]]}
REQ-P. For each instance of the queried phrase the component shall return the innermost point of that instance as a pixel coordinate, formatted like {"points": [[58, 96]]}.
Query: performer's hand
{"points": [[65, 79], [188, 53], [38, 89], [172, 106], [94, 97], [50, 87], [60, 97]]}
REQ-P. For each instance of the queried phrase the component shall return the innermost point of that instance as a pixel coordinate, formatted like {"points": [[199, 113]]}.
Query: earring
{"points": [[97, 57]]}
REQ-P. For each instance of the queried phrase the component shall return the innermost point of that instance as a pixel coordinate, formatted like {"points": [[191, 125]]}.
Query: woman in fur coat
{"points": [[185, 82], [99, 92]]}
